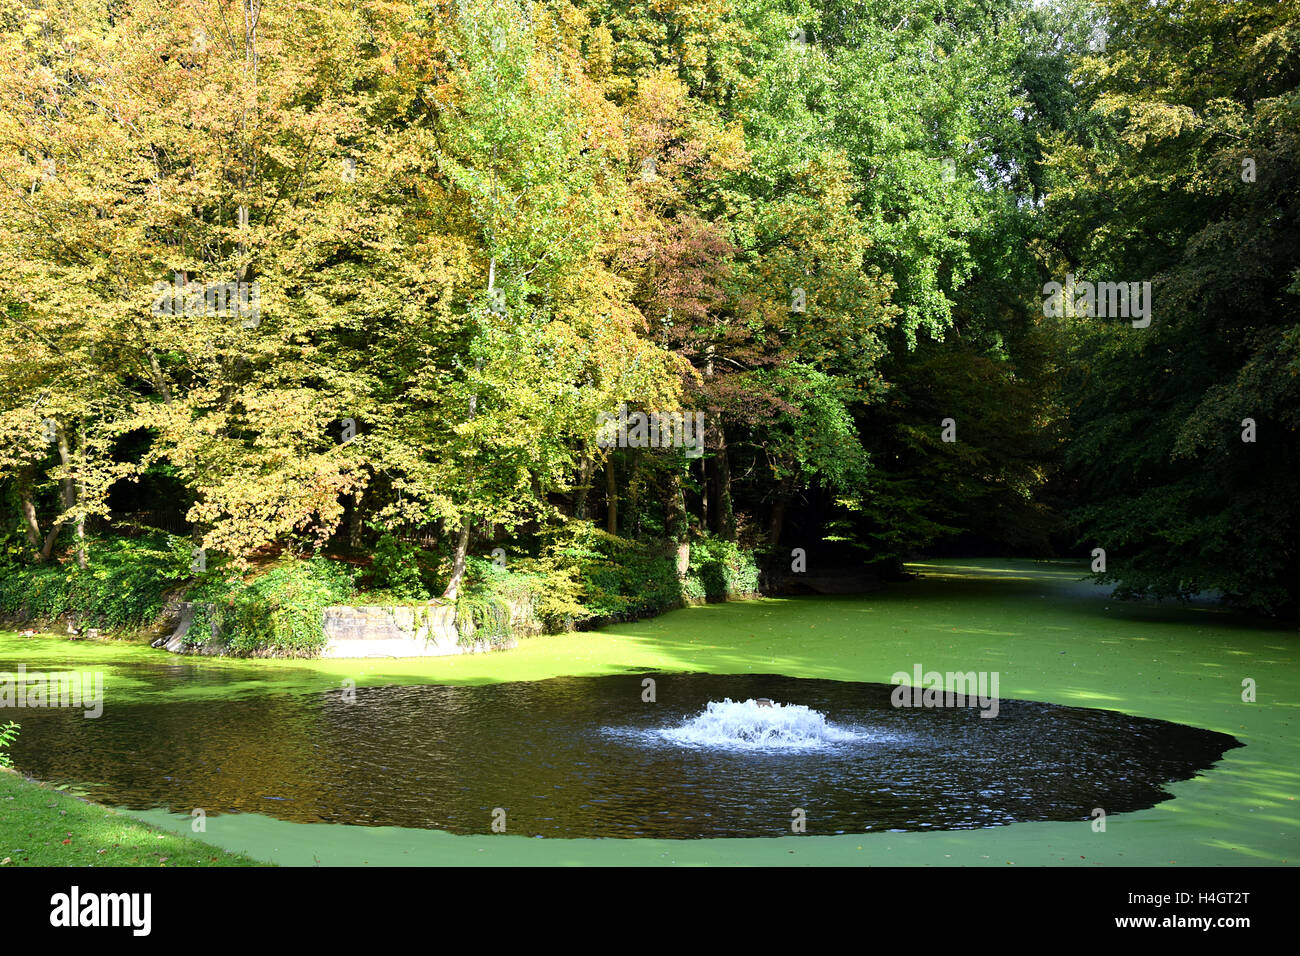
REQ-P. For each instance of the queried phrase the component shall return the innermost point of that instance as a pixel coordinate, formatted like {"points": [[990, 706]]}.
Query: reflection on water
{"points": [[582, 757]]}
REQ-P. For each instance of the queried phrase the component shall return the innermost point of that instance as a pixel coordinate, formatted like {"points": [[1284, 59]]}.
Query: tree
{"points": [[1185, 431]]}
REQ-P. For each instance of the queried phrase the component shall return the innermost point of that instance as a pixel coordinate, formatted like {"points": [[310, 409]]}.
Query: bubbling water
{"points": [[747, 724]]}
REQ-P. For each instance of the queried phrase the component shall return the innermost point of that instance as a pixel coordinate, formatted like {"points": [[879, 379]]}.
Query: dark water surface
{"points": [[586, 757]]}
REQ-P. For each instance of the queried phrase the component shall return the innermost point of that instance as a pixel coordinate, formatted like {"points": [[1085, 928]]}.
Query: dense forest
{"points": [[296, 294]]}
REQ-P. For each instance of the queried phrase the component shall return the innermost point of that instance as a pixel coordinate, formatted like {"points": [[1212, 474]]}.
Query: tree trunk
{"points": [[48, 548], [611, 496], [632, 515], [30, 523], [32, 526], [66, 486], [676, 522], [79, 491], [354, 522], [159, 381], [584, 487], [722, 492], [462, 538], [458, 562], [704, 494], [68, 495]]}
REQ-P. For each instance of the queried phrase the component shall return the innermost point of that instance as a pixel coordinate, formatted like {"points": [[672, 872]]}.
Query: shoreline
{"points": [[1050, 640]]}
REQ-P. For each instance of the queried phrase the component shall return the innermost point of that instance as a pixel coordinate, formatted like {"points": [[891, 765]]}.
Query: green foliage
{"points": [[122, 586], [1190, 187], [8, 734], [720, 570], [396, 569], [207, 624], [615, 578], [825, 247], [280, 612], [986, 488], [914, 83], [483, 618], [555, 587], [484, 606], [586, 577]]}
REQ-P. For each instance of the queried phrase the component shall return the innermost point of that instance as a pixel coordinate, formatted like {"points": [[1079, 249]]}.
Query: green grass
{"points": [[1049, 636], [42, 826]]}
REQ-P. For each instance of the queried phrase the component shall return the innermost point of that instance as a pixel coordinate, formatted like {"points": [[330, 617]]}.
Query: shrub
{"points": [[583, 578], [122, 586], [485, 604], [396, 569], [610, 578], [720, 570], [279, 612], [483, 617], [8, 733], [586, 577]]}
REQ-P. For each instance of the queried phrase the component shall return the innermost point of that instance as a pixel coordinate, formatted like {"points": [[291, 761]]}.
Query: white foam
{"points": [[745, 724]]}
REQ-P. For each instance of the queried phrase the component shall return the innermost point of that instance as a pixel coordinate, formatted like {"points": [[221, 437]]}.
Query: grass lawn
{"points": [[1048, 635], [42, 826]]}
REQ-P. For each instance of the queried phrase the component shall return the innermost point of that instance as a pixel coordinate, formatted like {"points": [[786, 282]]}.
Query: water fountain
{"points": [[758, 724]]}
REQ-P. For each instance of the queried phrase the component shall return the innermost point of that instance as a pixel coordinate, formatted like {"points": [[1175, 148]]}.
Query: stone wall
{"points": [[424, 630], [401, 631]]}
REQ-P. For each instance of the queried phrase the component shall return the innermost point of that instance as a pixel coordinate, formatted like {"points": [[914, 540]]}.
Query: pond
{"points": [[591, 757]]}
